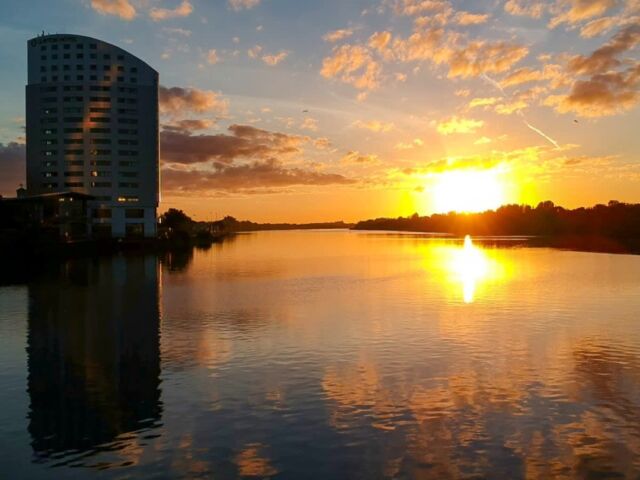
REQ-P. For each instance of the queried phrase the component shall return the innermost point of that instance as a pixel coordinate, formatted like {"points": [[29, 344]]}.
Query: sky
{"points": [[289, 110]]}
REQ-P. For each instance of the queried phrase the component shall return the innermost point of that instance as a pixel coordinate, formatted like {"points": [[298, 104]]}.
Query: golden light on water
{"points": [[468, 190], [470, 265]]}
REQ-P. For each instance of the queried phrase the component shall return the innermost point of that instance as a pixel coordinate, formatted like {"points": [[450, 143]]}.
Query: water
{"points": [[325, 355]]}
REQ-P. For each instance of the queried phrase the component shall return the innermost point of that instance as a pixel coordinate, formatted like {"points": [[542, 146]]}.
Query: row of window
{"points": [[124, 121], [120, 111], [91, 99], [94, 141], [121, 131], [128, 213], [80, 67], [92, 163], [80, 151], [94, 173], [93, 88], [91, 185], [67, 46], [80, 78]]}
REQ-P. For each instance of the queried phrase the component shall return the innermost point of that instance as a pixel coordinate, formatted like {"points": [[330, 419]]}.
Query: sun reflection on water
{"points": [[470, 264]]}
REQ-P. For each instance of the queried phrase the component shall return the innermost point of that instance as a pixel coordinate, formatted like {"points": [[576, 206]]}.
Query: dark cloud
{"points": [[189, 125], [178, 100], [254, 177], [606, 58], [12, 166], [244, 142]]}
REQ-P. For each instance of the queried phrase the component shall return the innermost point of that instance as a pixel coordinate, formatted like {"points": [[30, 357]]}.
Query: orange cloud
{"points": [[354, 65], [212, 56], [119, 8], [177, 100], [275, 59], [483, 101], [238, 5], [459, 125], [337, 35], [467, 18], [374, 125], [524, 8], [183, 10], [582, 10]]}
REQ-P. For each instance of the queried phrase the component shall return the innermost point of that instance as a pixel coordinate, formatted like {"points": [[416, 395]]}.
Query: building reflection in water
{"points": [[93, 354]]}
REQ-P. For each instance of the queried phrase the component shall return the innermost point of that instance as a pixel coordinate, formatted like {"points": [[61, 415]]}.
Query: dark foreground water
{"points": [[325, 355]]}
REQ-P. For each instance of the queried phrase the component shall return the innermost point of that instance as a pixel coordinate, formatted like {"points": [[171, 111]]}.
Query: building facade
{"points": [[92, 128]]}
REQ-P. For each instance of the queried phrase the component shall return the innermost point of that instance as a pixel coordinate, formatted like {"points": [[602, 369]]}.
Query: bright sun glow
{"points": [[468, 191]]}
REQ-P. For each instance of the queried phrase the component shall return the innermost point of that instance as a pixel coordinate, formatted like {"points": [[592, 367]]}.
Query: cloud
{"points": [[355, 157], [525, 8], [119, 8], [380, 40], [212, 56], [275, 59], [254, 51], [183, 10], [601, 95], [459, 125], [463, 92], [337, 35], [414, 7], [177, 31], [263, 174], [468, 18], [177, 100], [598, 26], [244, 141], [606, 57], [609, 84], [582, 10], [482, 141], [354, 65], [189, 125], [483, 101], [12, 165], [408, 146], [521, 75], [374, 125], [238, 5], [507, 108], [309, 124]]}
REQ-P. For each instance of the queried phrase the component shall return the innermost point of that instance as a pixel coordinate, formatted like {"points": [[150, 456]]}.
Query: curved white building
{"points": [[92, 127]]}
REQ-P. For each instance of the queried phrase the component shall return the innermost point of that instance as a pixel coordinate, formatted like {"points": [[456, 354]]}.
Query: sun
{"points": [[468, 190]]}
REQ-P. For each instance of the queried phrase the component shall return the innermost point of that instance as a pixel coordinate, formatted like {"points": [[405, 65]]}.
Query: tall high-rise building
{"points": [[92, 127]]}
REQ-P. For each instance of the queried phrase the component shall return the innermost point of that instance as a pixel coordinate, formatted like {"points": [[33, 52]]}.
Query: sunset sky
{"points": [[290, 110]]}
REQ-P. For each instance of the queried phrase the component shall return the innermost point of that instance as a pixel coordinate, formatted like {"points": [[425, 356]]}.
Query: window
{"points": [[120, 79], [43, 57], [80, 77], [72, 130], [54, 78], [106, 56], [100, 119], [43, 68], [127, 111], [50, 141], [101, 184], [93, 78], [100, 163], [134, 230], [106, 67], [128, 198], [54, 47], [50, 153], [93, 67], [133, 80], [100, 130], [79, 56], [73, 141], [72, 119], [134, 69], [73, 184], [72, 88], [106, 78], [120, 57], [127, 142], [49, 163], [49, 111], [65, 68], [120, 68], [79, 67], [73, 110], [43, 48], [101, 213], [100, 88], [127, 163], [54, 68], [72, 99], [54, 56], [131, 121], [49, 185], [100, 173], [74, 163], [100, 99], [93, 46], [66, 46], [99, 110], [100, 152], [134, 213], [127, 153], [50, 131], [74, 174], [49, 174], [66, 56], [49, 99], [128, 185], [79, 46], [101, 141], [75, 151], [129, 174], [66, 78]]}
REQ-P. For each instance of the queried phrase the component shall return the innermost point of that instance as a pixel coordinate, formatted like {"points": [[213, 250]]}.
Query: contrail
{"points": [[537, 130]]}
